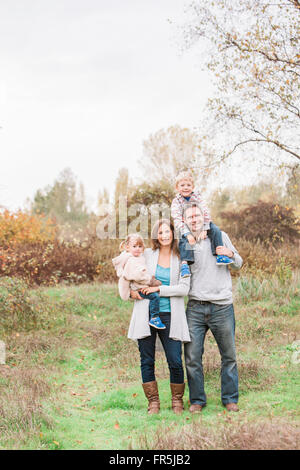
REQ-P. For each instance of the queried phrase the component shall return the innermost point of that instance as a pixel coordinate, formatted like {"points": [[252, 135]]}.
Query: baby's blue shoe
{"points": [[185, 270], [157, 323], [221, 259]]}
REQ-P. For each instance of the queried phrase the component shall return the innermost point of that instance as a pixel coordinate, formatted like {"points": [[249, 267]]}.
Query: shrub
{"points": [[20, 227], [259, 259], [50, 263], [106, 250], [269, 223], [16, 310], [24, 310]]}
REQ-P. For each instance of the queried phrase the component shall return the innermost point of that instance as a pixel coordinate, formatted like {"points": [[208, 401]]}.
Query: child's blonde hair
{"points": [[125, 243], [184, 175]]}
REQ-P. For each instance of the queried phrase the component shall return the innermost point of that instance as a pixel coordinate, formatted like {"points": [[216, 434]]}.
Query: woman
{"points": [[163, 262]]}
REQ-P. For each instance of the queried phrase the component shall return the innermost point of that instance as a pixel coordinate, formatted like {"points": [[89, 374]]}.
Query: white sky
{"points": [[83, 83]]}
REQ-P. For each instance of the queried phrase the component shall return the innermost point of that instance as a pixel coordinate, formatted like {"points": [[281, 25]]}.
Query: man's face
{"points": [[194, 219]]}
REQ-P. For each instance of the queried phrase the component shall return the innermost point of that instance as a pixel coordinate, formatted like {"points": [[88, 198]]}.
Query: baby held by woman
{"points": [[133, 274]]}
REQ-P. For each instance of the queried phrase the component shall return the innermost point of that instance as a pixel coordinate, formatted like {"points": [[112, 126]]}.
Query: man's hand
{"points": [[223, 250], [135, 295], [191, 239], [149, 290]]}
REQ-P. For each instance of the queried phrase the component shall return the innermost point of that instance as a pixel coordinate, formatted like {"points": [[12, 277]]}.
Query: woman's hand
{"points": [[150, 290], [135, 295]]}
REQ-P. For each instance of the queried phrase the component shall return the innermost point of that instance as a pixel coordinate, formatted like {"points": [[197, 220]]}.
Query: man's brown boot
{"points": [[196, 408], [232, 407], [177, 391], [151, 392]]}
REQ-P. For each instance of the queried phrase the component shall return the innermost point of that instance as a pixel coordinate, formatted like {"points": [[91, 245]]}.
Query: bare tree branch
{"points": [[255, 62]]}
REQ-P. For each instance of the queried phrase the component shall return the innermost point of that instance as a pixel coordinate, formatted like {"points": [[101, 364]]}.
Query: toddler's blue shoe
{"points": [[157, 323], [221, 259], [185, 270]]}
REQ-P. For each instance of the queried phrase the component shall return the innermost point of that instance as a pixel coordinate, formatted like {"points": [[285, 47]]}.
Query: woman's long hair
{"points": [[154, 235]]}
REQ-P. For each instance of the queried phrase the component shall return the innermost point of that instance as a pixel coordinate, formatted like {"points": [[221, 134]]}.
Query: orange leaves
{"points": [[19, 227]]}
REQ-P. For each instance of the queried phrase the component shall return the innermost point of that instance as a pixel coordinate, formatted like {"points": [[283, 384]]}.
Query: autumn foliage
{"points": [[29, 249], [50, 263], [17, 228], [268, 223]]}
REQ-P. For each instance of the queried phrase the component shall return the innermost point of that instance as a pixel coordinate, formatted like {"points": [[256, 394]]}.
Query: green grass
{"points": [[88, 392]]}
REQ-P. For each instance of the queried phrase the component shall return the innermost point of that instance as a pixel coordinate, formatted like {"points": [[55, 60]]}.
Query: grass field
{"points": [[76, 385]]}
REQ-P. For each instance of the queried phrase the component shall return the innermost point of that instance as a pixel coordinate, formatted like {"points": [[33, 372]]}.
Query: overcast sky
{"points": [[83, 83]]}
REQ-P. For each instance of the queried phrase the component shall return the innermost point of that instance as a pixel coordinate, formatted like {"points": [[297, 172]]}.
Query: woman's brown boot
{"points": [[177, 391], [151, 392]]}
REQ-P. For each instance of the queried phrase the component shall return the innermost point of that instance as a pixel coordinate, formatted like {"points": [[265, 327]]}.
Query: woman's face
{"points": [[164, 235]]}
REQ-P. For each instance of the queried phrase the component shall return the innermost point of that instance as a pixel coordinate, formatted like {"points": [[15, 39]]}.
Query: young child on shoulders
{"points": [[186, 192], [133, 274]]}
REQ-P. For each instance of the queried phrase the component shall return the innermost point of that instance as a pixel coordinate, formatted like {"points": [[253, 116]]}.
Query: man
{"points": [[210, 307]]}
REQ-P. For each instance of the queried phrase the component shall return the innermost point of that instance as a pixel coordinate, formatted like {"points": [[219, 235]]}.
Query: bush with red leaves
{"points": [[271, 224], [49, 263]]}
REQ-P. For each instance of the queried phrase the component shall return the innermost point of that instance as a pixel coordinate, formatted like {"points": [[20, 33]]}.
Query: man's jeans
{"points": [[220, 320], [172, 350], [186, 250]]}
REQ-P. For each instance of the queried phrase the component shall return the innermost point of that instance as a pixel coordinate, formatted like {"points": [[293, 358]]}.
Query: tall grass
{"points": [[282, 287], [21, 412], [77, 382], [263, 435]]}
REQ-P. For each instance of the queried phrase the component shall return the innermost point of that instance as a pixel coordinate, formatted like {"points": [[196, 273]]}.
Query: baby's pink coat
{"points": [[132, 273]]}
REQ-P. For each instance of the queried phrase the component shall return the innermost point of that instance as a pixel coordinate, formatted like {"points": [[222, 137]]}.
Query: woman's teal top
{"points": [[163, 275]]}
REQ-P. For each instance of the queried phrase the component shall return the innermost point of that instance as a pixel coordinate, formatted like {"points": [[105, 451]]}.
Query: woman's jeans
{"points": [[202, 316], [186, 250], [172, 350]]}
